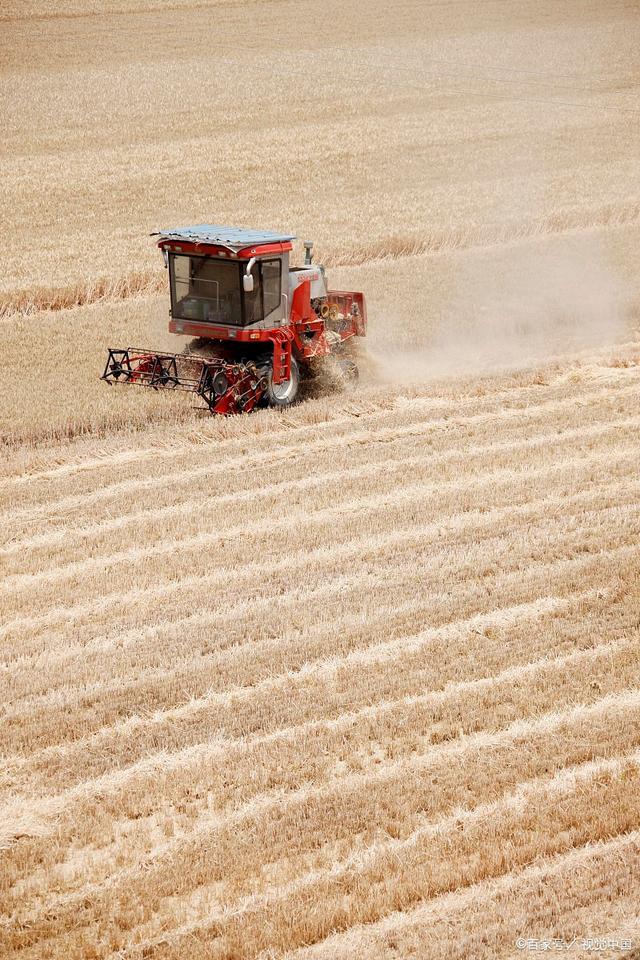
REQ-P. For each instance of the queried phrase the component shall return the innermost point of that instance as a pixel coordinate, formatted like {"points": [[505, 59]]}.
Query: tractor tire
{"points": [[281, 394]]}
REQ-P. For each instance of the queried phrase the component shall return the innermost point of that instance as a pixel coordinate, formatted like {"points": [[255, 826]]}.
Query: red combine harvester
{"points": [[260, 325]]}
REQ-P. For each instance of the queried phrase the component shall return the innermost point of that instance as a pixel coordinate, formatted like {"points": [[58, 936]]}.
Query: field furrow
{"points": [[121, 653], [218, 714], [382, 457], [536, 820], [29, 475], [404, 421], [189, 554], [133, 601], [591, 888], [480, 779], [432, 571], [225, 771]]}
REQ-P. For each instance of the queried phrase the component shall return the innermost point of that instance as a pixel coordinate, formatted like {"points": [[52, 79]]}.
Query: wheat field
{"points": [[360, 679]]}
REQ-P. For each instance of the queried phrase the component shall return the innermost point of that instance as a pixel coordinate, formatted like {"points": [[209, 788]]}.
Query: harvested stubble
{"points": [[383, 690]]}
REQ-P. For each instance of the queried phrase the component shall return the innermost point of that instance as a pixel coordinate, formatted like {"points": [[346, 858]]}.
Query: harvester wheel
{"points": [[281, 394]]}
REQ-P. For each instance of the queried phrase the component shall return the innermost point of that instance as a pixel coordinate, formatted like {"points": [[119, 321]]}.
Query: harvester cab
{"points": [[257, 324]]}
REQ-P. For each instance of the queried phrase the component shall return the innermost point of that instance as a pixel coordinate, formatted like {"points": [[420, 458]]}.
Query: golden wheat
{"points": [[359, 679]]}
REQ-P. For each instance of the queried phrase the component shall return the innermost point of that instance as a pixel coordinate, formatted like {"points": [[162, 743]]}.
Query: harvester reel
{"points": [[116, 371], [119, 365], [220, 383]]}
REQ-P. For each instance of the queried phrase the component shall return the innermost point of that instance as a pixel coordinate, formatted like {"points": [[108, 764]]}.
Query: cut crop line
{"points": [[562, 783], [182, 445], [161, 763], [278, 800], [419, 427], [298, 561], [322, 668], [304, 517], [457, 522], [451, 454], [623, 847], [292, 595], [565, 781], [379, 652]]}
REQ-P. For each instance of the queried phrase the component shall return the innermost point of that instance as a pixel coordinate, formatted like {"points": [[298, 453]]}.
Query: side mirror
{"points": [[247, 282]]}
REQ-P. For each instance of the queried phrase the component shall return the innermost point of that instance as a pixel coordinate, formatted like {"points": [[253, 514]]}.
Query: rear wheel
{"points": [[281, 394]]}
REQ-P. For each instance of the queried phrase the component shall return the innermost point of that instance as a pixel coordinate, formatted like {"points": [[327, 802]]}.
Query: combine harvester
{"points": [[260, 325]]}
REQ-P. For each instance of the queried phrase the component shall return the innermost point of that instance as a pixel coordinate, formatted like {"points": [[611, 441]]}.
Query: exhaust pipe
{"points": [[308, 247]]}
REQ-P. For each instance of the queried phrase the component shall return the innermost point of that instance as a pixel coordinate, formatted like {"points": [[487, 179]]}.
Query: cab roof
{"points": [[234, 238]]}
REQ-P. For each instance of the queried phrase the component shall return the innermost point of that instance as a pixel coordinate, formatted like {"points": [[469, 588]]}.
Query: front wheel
{"points": [[282, 394]]}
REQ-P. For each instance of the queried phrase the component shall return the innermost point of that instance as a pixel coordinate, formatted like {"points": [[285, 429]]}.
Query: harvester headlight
{"points": [[220, 383]]}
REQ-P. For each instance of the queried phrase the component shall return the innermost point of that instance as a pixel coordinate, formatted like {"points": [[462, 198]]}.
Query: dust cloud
{"points": [[539, 303]]}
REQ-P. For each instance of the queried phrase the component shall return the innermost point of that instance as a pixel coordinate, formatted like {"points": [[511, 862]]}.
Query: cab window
{"points": [[253, 300], [271, 279]]}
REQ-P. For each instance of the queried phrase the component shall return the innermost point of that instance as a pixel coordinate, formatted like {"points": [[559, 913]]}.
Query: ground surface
{"points": [[360, 680]]}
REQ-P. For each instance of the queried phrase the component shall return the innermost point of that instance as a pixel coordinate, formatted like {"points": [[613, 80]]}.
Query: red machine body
{"points": [[259, 325]]}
